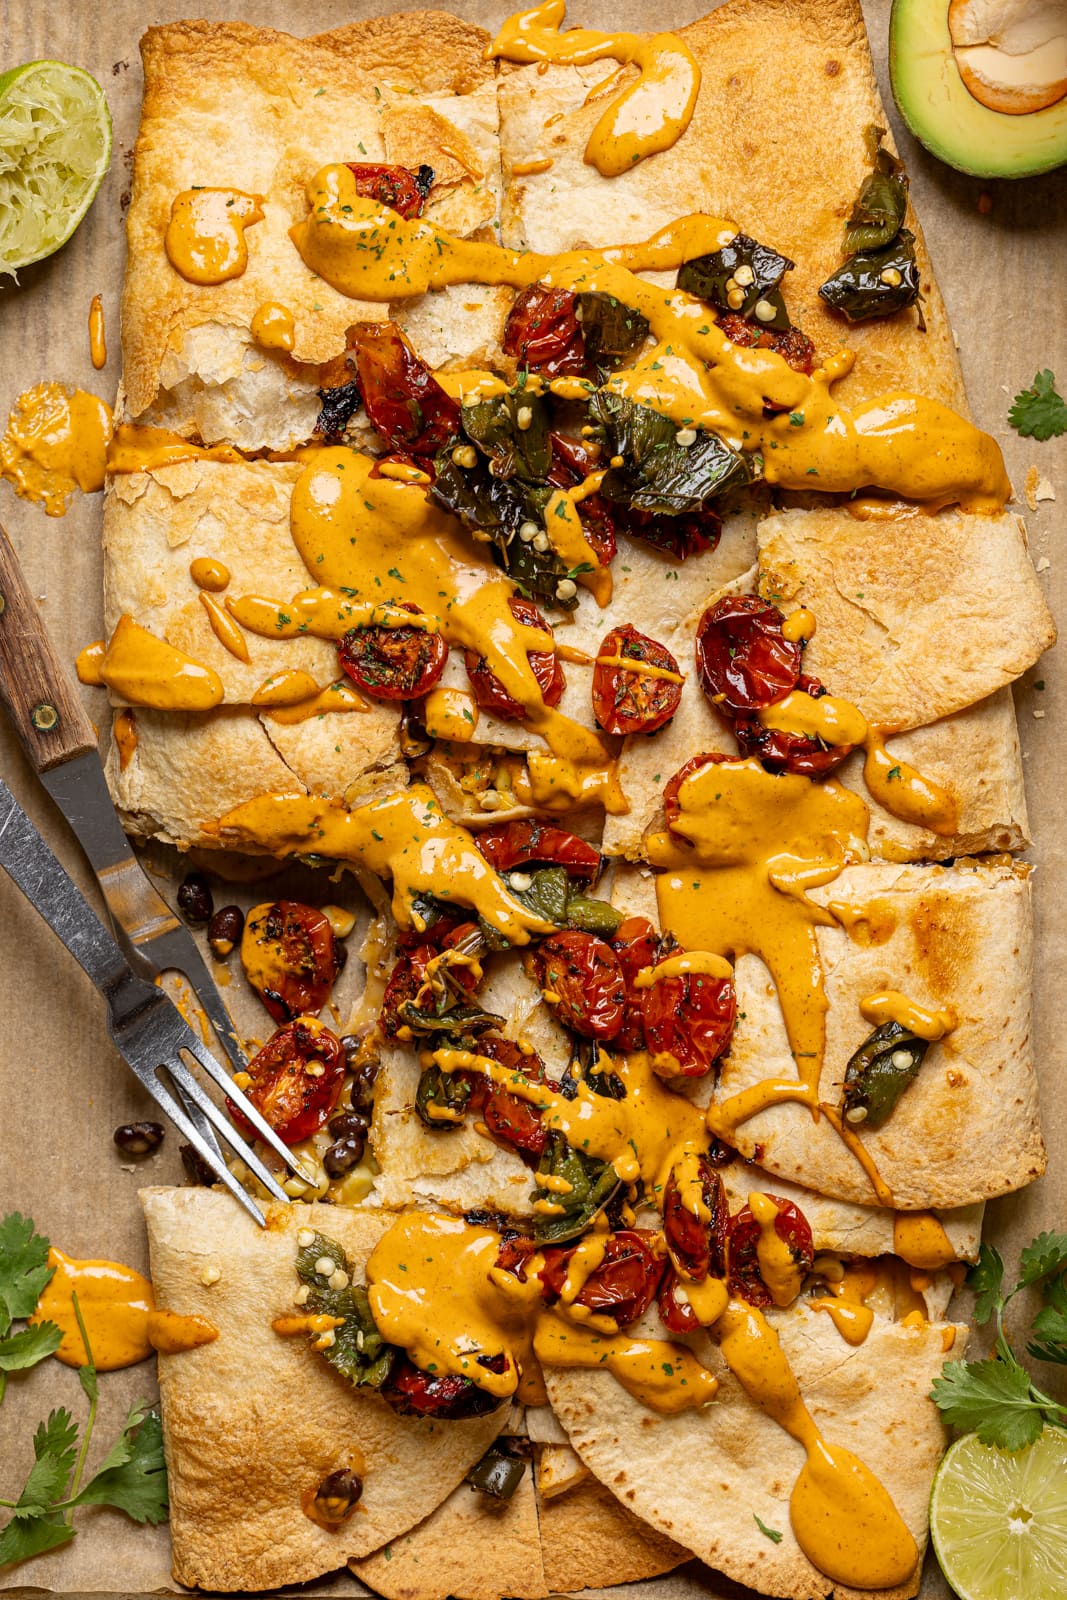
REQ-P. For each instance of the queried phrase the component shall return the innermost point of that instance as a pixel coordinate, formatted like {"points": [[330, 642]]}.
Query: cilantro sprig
{"points": [[997, 1398], [1039, 412], [132, 1476]]}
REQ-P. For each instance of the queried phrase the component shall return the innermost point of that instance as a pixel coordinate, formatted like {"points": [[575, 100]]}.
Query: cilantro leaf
{"points": [[54, 1449], [133, 1477], [992, 1399], [24, 1268], [1050, 1325], [20, 1540], [1039, 412], [770, 1533], [30, 1345], [1047, 1253], [986, 1278]]}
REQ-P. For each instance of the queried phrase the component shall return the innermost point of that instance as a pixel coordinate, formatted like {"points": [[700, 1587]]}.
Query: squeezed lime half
{"points": [[55, 146], [998, 1519]]}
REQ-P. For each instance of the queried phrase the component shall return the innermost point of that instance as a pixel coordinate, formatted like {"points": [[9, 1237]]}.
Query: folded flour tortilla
{"points": [[253, 1421], [231, 106]]}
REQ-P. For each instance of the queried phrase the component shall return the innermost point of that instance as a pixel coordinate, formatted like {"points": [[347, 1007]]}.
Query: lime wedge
{"points": [[998, 1519], [55, 146]]}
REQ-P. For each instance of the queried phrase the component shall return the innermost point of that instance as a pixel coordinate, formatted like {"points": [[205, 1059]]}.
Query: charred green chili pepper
{"points": [[358, 1350], [500, 1470], [714, 278], [444, 1094], [592, 1185], [881, 275], [879, 1072]]}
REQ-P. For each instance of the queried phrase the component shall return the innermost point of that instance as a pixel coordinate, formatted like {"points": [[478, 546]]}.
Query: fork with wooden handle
{"points": [[146, 1027]]}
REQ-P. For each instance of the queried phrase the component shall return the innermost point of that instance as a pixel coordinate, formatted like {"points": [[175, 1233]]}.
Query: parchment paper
{"points": [[998, 248]]}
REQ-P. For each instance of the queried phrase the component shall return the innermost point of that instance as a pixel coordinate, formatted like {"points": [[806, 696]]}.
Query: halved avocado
{"points": [[958, 97]]}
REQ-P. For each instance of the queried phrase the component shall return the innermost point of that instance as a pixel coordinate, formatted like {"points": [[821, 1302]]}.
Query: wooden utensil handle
{"points": [[36, 687]]}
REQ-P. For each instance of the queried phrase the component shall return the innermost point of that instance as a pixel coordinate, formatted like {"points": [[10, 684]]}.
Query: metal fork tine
{"points": [[184, 1080], [217, 1071], [169, 1104]]}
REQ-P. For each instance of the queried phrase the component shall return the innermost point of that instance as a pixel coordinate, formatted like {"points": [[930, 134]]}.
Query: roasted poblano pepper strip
{"points": [[441, 1093], [457, 1019], [875, 283], [879, 1072], [500, 1470], [592, 1184], [358, 1350], [547, 895], [512, 430], [878, 213], [611, 330], [659, 474], [707, 277], [592, 916]]}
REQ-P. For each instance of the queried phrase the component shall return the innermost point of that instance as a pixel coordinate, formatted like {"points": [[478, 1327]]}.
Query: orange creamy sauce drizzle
{"points": [[124, 733], [436, 1292], [55, 442], [205, 238], [118, 1309], [648, 116], [134, 448], [273, 326], [97, 335]]}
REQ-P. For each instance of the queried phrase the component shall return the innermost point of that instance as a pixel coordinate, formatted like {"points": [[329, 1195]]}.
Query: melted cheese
{"points": [[55, 442], [756, 842], [404, 834], [648, 116], [115, 1303], [692, 373], [889, 1005], [205, 238], [148, 671], [843, 1519]]}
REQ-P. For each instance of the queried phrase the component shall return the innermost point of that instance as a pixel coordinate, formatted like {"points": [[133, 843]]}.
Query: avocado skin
{"points": [[946, 118]]}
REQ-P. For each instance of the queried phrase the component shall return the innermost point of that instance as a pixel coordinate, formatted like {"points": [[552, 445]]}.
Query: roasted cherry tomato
{"points": [[545, 665], [676, 1315], [792, 345], [412, 1392], [680, 537], [520, 844], [743, 659], [671, 806], [509, 1118], [543, 332], [572, 462], [697, 1244], [393, 663], [689, 1021], [623, 1286], [781, 751], [290, 956], [584, 974], [396, 187], [401, 396], [742, 1258], [636, 943], [295, 1101], [634, 700], [409, 975]]}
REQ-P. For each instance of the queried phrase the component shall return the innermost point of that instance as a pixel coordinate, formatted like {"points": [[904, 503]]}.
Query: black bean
{"points": [[225, 930], [194, 899], [196, 1168], [338, 1495], [345, 1154], [138, 1138], [347, 1122]]}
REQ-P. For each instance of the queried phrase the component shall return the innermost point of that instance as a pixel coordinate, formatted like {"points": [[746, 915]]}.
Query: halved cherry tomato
{"points": [[675, 1314], [689, 1022], [520, 844], [623, 1286], [412, 1392], [543, 332], [393, 663], [743, 1272], [680, 537], [290, 957], [792, 345], [409, 975], [585, 976], [636, 943], [743, 659], [510, 1119], [572, 462], [515, 1253], [672, 809], [398, 188], [697, 1246], [293, 1100], [632, 701], [401, 396], [781, 751], [545, 665]]}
